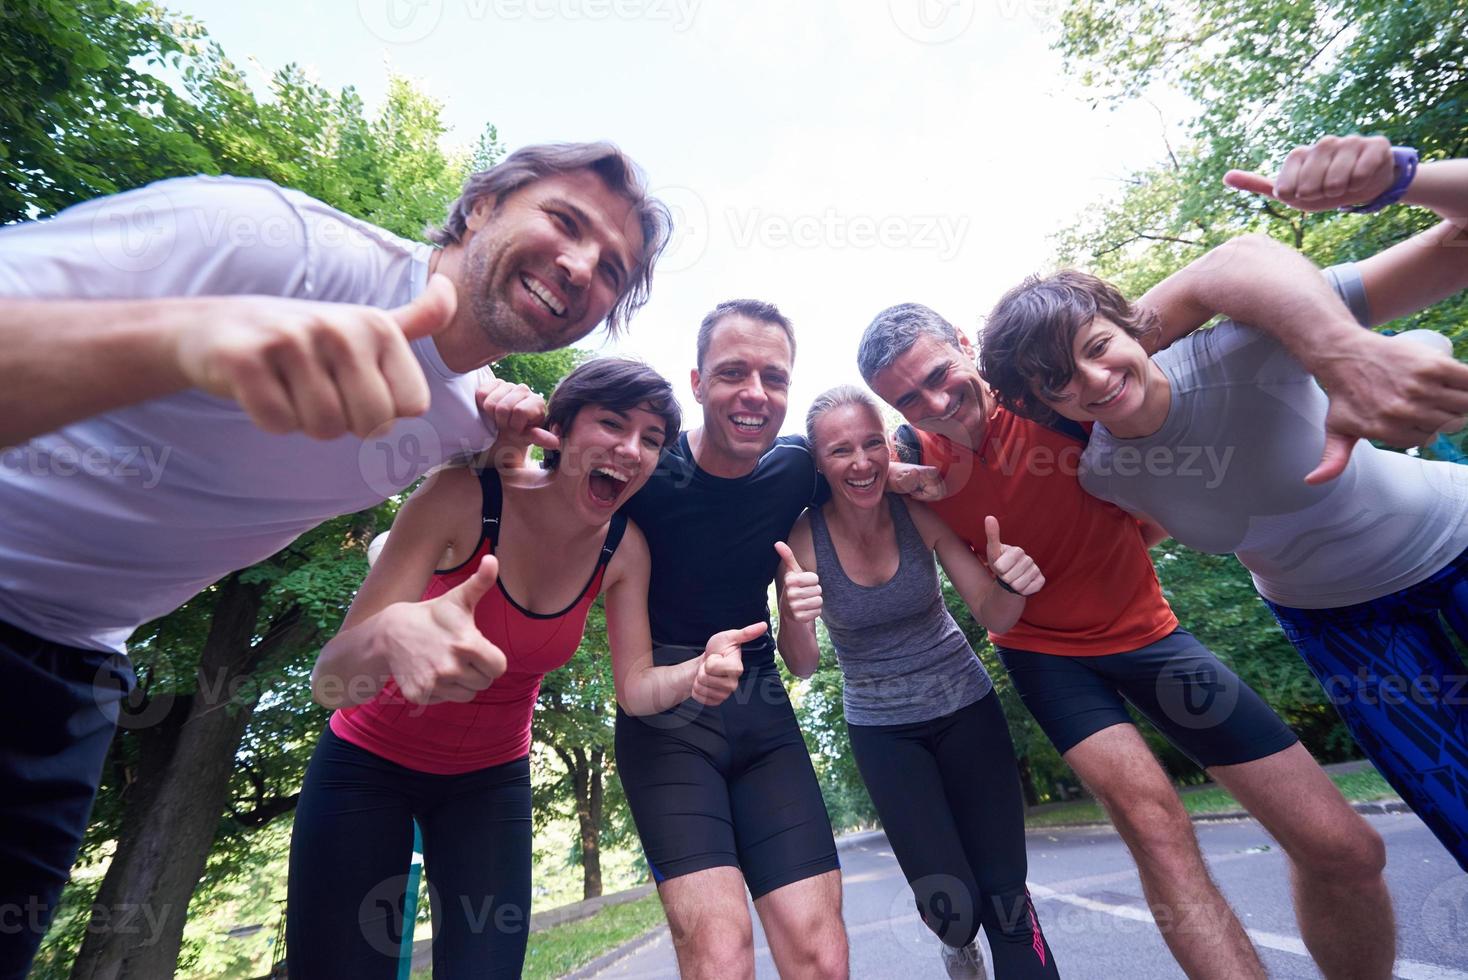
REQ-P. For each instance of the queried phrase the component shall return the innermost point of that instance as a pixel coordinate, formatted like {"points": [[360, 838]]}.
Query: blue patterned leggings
{"points": [[1392, 671]]}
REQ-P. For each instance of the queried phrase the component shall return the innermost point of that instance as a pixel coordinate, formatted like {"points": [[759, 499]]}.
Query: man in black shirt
{"points": [[725, 796]]}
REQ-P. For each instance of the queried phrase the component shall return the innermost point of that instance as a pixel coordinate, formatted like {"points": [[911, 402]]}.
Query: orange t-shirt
{"points": [[1101, 592]]}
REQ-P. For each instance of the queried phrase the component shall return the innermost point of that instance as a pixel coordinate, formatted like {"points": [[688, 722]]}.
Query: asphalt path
{"points": [[1090, 904]]}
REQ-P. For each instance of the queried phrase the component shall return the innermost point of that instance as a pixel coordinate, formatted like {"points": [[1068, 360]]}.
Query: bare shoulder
{"points": [[928, 524], [801, 543], [631, 557], [446, 507]]}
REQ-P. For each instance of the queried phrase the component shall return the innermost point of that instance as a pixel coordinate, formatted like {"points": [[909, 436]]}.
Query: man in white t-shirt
{"points": [[198, 371]]}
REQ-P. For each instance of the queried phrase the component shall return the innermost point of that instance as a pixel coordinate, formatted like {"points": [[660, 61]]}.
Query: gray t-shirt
{"points": [[903, 657], [1225, 473]]}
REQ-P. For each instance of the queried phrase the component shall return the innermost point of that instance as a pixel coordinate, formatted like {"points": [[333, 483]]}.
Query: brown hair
{"points": [[623, 177], [753, 309], [1028, 340], [835, 398]]}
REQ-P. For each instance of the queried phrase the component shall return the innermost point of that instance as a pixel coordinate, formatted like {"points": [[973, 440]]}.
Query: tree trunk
{"points": [[1027, 782], [588, 812], [172, 813]]}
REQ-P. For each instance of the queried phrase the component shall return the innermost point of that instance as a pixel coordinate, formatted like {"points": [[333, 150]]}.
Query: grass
{"points": [[1358, 787], [558, 950]]}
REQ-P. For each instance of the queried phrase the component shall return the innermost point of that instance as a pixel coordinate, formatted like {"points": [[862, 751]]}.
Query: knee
{"points": [[720, 949], [1154, 825], [1009, 913], [1351, 852], [821, 949]]}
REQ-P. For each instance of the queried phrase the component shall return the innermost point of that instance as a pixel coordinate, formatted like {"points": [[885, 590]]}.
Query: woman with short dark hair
{"points": [[513, 565]]}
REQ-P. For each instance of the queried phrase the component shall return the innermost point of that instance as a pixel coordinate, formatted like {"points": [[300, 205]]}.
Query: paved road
{"points": [[1089, 900]]}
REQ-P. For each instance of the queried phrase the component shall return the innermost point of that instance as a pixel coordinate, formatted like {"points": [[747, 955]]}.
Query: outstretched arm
{"points": [[321, 368], [1340, 171]]}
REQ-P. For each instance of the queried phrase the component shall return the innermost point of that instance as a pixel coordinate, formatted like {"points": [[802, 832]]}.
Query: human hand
{"points": [[1334, 172], [1010, 564], [801, 590], [324, 369], [434, 649]]}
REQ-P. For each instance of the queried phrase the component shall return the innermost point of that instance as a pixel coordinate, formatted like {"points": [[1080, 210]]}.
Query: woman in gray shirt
{"points": [[926, 728]]}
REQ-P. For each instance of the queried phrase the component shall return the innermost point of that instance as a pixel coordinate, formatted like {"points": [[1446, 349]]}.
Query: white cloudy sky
{"points": [[834, 158]]}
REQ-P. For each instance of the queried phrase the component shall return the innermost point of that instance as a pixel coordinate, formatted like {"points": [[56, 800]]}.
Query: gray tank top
{"points": [[903, 657]]}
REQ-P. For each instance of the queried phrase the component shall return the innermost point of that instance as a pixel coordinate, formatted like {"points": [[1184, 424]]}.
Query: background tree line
{"points": [[106, 95]]}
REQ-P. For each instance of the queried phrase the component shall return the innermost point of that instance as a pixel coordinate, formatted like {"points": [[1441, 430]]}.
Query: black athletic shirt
{"points": [[713, 544]]}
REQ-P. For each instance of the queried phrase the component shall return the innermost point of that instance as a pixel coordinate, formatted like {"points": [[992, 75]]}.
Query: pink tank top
{"points": [[494, 728]]}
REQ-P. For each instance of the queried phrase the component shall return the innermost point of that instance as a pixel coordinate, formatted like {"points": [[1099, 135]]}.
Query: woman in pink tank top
{"points": [[482, 588]]}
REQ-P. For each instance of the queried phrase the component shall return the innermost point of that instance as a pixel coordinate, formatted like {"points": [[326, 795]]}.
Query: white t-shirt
{"points": [[1225, 472], [116, 520]]}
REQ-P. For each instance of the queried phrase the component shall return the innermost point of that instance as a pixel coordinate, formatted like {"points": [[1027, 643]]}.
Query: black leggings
{"points": [[948, 795], [350, 852]]}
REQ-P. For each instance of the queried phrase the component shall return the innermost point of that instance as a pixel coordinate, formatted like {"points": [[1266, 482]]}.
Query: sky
{"points": [[832, 158]]}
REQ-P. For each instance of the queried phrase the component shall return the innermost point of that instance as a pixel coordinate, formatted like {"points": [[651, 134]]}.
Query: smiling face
{"points": [[607, 456], [546, 265], [744, 386], [936, 386], [850, 445], [1114, 383]]}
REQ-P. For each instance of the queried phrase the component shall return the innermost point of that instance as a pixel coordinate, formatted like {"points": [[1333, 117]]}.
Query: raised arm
{"points": [[799, 592], [1341, 171], [432, 648], [643, 689], [995, 607], [321, 368]]}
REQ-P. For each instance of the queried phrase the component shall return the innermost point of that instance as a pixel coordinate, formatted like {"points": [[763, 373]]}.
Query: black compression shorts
{"points": [[728, 786], [1177, 683]]}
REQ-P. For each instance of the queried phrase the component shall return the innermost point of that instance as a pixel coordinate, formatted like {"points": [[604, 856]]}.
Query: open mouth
{"points": [[751, 424], [1112, 395], [543, 295], [606, 485], [866, 484]]}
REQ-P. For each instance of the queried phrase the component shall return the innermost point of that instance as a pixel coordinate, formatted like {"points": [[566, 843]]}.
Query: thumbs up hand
{"points": [[434, 648], [722, 664], [1012, 568], [801, 589]]}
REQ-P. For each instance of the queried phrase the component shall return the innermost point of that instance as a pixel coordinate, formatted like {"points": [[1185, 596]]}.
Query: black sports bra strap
{"points": [[494, 498], [614, 537]]}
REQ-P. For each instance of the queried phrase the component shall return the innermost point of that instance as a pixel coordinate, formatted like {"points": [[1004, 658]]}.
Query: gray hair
{"points": [[754, 309], [531, 163], [893, 332], [835, 398]]}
